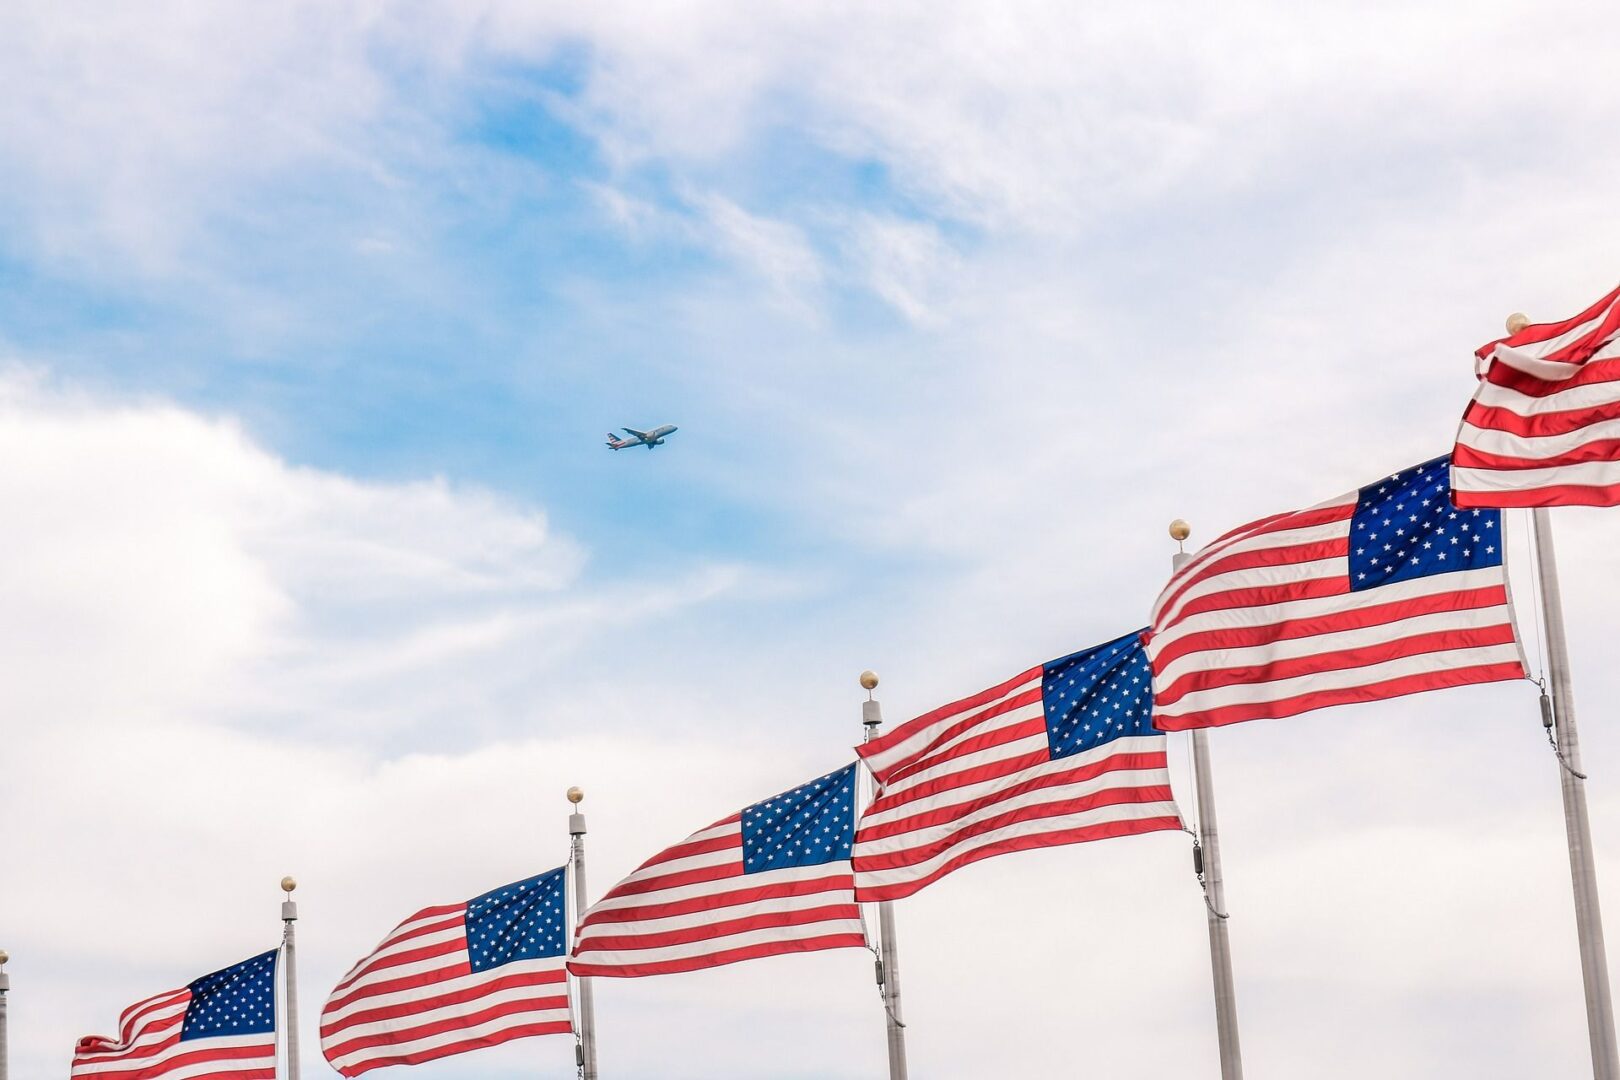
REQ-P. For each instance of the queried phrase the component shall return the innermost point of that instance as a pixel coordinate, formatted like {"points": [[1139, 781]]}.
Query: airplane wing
{"points": [[637, 434]]}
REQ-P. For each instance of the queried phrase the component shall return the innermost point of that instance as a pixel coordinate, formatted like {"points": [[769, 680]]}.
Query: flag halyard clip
{"points": [[1198, 872], [877, 970], [1552, 739]]}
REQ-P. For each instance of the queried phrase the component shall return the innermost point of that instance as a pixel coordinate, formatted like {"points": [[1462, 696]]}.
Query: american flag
{"points": [[1063, 753], [1384, 591], [456, 978], [773, 879], [219, 1027], [1544, 426]]}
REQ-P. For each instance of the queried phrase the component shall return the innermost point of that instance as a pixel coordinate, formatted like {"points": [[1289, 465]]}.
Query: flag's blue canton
{"points": [[238, 1000], [807, 826], [1097, 695], [1405, 527], [520, 921]]}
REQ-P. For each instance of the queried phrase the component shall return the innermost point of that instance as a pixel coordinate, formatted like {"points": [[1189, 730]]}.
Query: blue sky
{"points": [[312, 319]]}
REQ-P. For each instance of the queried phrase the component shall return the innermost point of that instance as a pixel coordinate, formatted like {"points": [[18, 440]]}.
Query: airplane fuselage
{"points": [[649, 439]]}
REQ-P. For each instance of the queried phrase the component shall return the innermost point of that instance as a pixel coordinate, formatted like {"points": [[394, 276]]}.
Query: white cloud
{"points": [[132, 144], [906, 263], [129, 132], [159, 556], [775, 252]]}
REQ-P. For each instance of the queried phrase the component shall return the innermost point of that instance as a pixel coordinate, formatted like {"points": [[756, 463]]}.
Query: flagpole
{"points": [[1207, 859], [289, 954], [888, 968], [585, 1049], [1577, 826], [5, 989]]}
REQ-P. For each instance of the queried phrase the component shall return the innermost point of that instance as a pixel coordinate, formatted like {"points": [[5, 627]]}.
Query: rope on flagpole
{"points": [[877, 963], [877, 960], [1198, 872], [1192, 783], [1535, 599], [1552, 740], [1547, 717]]}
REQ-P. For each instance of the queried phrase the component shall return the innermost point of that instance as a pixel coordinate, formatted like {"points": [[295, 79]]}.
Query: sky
{"points": [[312, 318]]}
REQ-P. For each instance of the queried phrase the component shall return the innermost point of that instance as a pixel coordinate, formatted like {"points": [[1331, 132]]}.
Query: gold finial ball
{"points": [[1180, 530], [288, 884], [575, 795], [869, 680], [4, 956], [1517, 321]]}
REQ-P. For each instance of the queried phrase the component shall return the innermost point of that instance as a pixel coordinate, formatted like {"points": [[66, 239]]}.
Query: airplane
{"points": [[649, 439]]}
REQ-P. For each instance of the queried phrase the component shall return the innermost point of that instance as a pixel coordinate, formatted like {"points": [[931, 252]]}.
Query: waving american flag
{"points": [[219, 1027], [1063, 753], [1380, 592], [772, 879], [1544, 426], [455, 978]]}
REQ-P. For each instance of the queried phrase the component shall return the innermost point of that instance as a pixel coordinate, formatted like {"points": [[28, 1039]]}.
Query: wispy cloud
{"points": [[775, 252]]}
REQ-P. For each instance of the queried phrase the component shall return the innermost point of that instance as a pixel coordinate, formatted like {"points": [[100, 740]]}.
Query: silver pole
{"points": [[1220, 945], [1209, 845], [888, 967], [1577, 827], [289, 956], [5, 988], [585, 1049]]}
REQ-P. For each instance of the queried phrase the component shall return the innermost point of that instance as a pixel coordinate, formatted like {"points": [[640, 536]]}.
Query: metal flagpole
{"points": [[1207, 864], [1577, 827], [289, 955], [5, 988], [888, 965], [585, 1048]]}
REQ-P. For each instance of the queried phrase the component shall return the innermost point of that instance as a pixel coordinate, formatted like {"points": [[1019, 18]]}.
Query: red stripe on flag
{"points": [[988, 740], [696, 876], [1315, 588], [374, 964], [894, 860], [440, 1001], [1210, 561], [726, 928], [1389, 688], [726, 956], [942, 815], [229, 1059], [1328, 623], [1084, 834], [690, 848], [555, 1027], [1597, 450], [979, 774], [1539, 425], [1591, 374], [1604, 324], [468, 1019], [715, 901], [884, 743], [1545, 495], [1276, 670]]}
